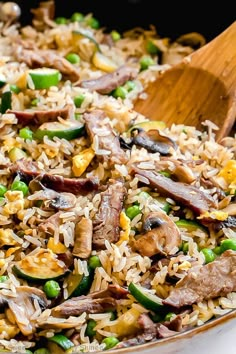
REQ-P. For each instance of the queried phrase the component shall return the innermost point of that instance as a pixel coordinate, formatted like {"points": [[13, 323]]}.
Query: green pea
{"points": [[152, 48], [110, 342], [130, 85], [20, 186], [115, 35], [3, 278], [132, 211], [15, 89], [51, 288], [77, 17], [229, 244], [78, 100], [184, 247], [42, 351], [168, 316], [34, 102], [165, 173], [120, 91], [3, 190], [61, 20], [26, 133], [90, 332], [73, 58], [94, 262], [208, 254], [217, 250], [28, 351], [145, 62], [93, 23]]}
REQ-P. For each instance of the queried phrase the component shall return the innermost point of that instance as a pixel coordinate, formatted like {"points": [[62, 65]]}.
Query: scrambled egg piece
{"points": [[81, 161], [216, 214], [125, 226], [15, 202], [7, 329], [228, 172], [56, 248], [6, 238]]}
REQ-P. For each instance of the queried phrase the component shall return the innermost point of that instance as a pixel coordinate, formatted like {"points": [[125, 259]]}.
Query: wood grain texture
{"points": [[202, 86]]}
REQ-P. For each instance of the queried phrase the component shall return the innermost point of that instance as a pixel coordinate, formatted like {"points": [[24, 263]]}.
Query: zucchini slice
{"points": [[62, 341], [79, 284], [80, 34], [43, 78], [190, 225], [144, 297], [41, 266], [60, 130], [6, 101]]}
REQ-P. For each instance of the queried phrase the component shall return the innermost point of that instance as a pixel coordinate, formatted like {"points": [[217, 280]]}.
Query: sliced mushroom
{"points": [[192, 39], [177, 168], [154, 141], [53, 199], [83, 238], [161, 236], [23, 307]]}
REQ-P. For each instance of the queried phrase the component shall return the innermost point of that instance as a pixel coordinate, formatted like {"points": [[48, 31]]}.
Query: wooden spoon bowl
{"points": [[201, 87]]}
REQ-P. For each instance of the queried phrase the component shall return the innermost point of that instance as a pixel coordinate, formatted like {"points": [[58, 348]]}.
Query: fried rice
{"points": [[115, 230]]}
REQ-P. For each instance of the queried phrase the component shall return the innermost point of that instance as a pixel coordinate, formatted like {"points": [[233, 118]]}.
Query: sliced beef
{"points": [[162, 236], [147, 326], [39, 117], [107, 139], [164, 332], [107, 220], [50, 224], [39, 58], [29, 170], [189, 196], [109, 82], [209, 281], [78, 305]]}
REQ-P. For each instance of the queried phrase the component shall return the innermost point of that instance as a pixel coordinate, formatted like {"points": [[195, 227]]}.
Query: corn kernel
{"points": [[81, 161]]}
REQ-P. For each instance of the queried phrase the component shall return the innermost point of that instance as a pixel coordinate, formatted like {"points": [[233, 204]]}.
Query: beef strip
{"points": [[39, 117], [29, 170], [94, 123], [109, 82], [51, 223], [164, 332], [163, 238], [113, 290], [214, 279], [78, 305], [39, 58], [107, 220], [189, 196]]}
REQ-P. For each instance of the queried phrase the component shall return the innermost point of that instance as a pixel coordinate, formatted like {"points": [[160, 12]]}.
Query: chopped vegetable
{"points": [[51, 288], [3, 278], [14, 88], [102, 62], [79, 284], [77, 17], [81, 161], [229, 244], [42, 266], [6, 101], [62, 131], [145, 62], [16, 154], [152, 48], [3, 190], [93, 23], [78, 100], [190, 225], [3, 80], [61, 20], [90, 332], [94, 262], [43, 78], [73, 58], [148, 125], [20, 186], [115, 35], [62, 341], [110, 342], [26, 133], [149, 300], [208, 254], [132, 211], [120, 92], [42, 351]]}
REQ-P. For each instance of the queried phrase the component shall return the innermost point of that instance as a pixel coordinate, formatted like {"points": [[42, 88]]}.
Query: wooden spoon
{"points": [[201, 87]]}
